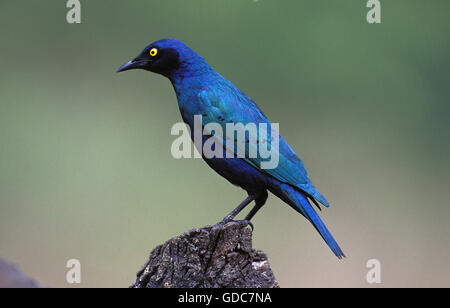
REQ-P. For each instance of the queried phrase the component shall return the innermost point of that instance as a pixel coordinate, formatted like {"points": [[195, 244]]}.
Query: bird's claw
{"points": [[225, 221], [250, 224]]}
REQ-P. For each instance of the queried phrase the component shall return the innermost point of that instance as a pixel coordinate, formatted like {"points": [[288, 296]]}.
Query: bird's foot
{"points": [[249, 223], [227, 220]]}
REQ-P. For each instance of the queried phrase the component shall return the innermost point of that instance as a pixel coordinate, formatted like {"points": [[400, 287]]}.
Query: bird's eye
{"points": [[153, 52]]}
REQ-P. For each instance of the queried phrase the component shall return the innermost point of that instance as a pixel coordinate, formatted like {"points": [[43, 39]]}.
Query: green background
{"points": [[85, 164]]}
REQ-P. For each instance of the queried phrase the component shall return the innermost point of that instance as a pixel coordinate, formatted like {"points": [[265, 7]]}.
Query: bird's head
{"points": [[167, 57]]}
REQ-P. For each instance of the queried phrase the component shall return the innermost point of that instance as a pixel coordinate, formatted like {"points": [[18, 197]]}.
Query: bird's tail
{"points": [[300, 203]]}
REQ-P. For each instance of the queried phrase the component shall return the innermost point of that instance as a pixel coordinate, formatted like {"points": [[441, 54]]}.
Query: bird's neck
{"points": [[190, 70], [187, 88], [190, 79]]}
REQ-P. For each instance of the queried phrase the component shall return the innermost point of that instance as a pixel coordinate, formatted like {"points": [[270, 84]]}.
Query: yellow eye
{"points": [[153, 52]]}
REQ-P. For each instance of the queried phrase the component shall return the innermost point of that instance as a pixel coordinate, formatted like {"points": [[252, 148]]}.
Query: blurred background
{"points": [[85, 164]]}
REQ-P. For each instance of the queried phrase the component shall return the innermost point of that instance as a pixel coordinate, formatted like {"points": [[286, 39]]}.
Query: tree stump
{"points": [[219, 256]]}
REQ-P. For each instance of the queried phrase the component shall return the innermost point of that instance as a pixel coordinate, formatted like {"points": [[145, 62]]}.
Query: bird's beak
{"points": [[131, 65]]}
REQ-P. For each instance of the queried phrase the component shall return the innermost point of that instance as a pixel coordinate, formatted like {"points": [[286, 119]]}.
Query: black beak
{"points": [[131, 65]]}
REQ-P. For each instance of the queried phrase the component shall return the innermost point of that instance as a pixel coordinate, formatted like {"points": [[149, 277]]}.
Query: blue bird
{"points": [[202, 91]]}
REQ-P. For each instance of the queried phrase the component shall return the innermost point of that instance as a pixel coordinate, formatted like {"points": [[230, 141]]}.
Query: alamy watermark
{"points": [[374, 274], [73, 275], [374, 14], [258, 141], [73, 15]]}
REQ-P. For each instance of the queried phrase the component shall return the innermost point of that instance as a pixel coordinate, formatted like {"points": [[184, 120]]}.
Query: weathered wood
{"points": [[219, 256]]}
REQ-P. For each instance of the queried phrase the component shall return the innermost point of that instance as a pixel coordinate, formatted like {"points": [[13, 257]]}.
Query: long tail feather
{"points": [[300, 203]]}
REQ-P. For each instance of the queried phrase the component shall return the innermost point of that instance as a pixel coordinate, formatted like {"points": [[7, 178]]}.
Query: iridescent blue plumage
{"points": [[202, 91]]}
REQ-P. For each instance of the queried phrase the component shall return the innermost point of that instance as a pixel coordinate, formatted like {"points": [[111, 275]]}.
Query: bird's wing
{"points": [[227, 104]]}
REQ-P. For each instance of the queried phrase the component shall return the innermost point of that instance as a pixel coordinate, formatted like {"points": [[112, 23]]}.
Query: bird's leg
{"points": [[238, 209], [254, 210], [260, 200]]}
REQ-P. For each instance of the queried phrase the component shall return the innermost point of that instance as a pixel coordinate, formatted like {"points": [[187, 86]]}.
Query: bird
{"points": [[200, 90]]}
